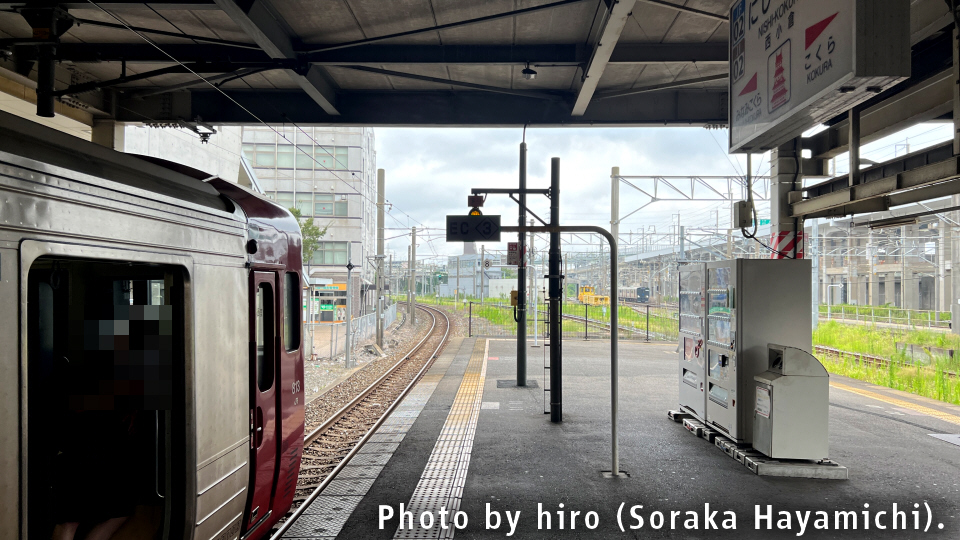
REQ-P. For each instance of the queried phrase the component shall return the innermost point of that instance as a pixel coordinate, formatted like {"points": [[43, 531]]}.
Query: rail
{"points": [[339, 415], [866, 358]]}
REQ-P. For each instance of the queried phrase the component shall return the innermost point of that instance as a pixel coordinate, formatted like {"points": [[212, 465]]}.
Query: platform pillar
{"points": [[556, 342], [522, 275], [786, 233], [108, 133]]}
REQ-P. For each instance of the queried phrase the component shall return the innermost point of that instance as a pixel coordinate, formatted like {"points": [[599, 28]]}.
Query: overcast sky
{"points": [[429, 173]]}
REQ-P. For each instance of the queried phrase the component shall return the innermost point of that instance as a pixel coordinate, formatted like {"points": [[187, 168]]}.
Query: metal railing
{"points": [[330, 339], [637, 322], [886, 316]]}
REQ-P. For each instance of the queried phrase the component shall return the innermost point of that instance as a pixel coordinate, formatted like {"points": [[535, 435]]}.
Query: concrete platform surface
{"points": [[520, 462]]}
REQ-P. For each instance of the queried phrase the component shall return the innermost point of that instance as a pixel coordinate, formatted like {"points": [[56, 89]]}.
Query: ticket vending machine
{"points": [[749, 303], [692, 353]]}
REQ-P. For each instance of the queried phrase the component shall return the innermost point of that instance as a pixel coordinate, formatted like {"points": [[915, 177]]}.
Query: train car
{"points": [[633, 295], [643, 295], [585, 292], [150, 346]]}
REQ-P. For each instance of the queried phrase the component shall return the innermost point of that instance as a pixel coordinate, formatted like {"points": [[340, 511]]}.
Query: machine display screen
{"points": [[690, 304], [719, 330], [691, 280], [719, 278], [690, 323], [719, 302]]}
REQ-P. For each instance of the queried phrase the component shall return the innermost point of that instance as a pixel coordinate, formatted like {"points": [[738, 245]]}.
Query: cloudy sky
{"points": [[429, 173]]}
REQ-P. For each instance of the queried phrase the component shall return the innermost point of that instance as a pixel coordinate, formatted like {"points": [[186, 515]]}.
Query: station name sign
{"points": [[473, 228], [797, 63]]}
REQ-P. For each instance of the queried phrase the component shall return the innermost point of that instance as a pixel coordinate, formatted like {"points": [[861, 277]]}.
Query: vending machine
{"points": [[750, 303], [691, 350]]}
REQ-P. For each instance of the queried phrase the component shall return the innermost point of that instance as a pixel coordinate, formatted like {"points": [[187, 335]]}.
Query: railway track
{"points": [[864, 358], [330, 446]]}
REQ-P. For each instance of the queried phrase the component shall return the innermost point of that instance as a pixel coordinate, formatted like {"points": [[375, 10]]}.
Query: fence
{"points": [[637, 322], [330, 339], [884, 315]]}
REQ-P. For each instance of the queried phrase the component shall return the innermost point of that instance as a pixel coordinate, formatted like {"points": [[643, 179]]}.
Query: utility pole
{"points": [[413, 276], [522, 275], [348, 358], [381, 181], [483, 261]]}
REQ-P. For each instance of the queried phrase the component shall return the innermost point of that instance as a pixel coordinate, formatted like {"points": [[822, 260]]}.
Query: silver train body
{"points": [[78, 221]]}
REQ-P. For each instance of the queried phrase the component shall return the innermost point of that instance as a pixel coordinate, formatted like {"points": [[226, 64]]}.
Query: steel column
{"points": [[556, 342], [522, 275]]}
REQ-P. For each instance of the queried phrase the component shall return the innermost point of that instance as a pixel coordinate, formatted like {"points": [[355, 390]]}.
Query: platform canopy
{"points": [[377, 62]]}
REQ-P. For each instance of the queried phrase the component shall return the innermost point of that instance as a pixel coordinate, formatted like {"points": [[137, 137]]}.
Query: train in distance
{"points": [[586, 294]]}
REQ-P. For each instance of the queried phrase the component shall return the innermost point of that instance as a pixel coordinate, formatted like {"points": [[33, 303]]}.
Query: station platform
{"points": [[467, 437]]}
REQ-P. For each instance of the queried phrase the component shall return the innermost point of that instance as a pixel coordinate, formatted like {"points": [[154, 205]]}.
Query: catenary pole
{"points": [[522, 275]]}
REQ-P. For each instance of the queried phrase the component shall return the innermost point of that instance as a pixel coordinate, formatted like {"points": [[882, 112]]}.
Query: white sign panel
{"points": [[763, 402], [784, 56]]}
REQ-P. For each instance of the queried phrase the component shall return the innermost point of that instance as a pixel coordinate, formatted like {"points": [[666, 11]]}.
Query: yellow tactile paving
{"points": [[441, 485], [945, 416]]}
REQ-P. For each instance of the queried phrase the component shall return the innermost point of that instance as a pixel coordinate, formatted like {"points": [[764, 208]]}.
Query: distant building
{"points": [[329, 173], [464, 273]]}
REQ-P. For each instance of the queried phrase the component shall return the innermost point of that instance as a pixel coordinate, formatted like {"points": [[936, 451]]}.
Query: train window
{"points": [[291, 311], [265, 326]]}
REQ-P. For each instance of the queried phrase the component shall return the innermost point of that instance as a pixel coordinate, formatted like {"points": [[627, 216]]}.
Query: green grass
{"points": [[930, 381]]}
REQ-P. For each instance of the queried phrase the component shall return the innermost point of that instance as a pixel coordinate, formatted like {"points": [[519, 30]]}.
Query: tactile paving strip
{"points": [[441, 485]]}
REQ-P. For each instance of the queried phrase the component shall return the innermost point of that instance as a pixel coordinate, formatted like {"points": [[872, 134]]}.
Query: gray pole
{"points": [[348, 359], [522, 276], [533, 285], [408, 280], [556, 353], [483, 261], [380, 218], [614, 210], [413, 276], [614, 326]]}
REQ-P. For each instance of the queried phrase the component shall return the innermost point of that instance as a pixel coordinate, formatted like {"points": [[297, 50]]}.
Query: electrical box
{"points": [[693, 378], [794, 65], [749, 304], [791, 415], [743, 215], [514, 298]]}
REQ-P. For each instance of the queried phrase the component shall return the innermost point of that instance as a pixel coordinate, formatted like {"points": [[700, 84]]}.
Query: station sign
{"points": [[795, 64], [473, 228], [513, 254]]}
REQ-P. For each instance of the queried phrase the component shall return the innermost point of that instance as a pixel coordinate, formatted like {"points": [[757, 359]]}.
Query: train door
{"points": [[263, 402]]}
